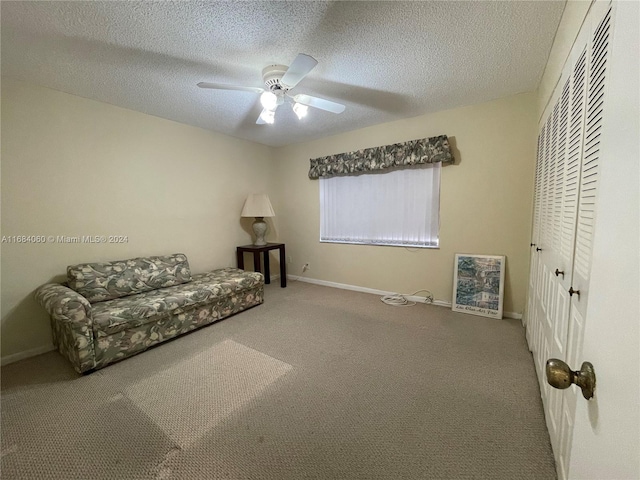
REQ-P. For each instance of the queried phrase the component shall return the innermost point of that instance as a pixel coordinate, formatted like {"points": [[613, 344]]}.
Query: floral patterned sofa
{"points": [[110, 311]]}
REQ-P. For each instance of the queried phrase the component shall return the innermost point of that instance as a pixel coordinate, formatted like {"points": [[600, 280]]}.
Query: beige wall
{"points": [[72, 166], [486, 201]]}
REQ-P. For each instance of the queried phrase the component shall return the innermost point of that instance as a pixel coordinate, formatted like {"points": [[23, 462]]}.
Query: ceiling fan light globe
{"points": [[300, 110], [269, 100], [268, 116]]}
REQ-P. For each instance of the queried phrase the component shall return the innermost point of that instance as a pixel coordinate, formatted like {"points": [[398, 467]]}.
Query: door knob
{"points": [[572, 291], [559, 272], [560, 376], [538, 249]]}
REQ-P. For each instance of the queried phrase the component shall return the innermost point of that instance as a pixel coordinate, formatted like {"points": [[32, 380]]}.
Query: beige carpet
{"points": [[316, 383]]}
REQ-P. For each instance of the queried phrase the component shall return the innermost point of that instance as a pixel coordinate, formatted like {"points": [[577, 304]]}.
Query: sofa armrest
{"points": [[64, 304], [71, 323]]}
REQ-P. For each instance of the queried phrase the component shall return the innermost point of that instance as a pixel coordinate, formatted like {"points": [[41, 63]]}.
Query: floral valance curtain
{"points": [[414, 152]]}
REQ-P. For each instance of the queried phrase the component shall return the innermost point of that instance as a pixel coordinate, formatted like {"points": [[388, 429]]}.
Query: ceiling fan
{"points": [[278, 80]]}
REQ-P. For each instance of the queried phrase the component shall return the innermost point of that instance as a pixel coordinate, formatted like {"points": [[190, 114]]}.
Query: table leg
{"points": [[256, 261], [283, 267], [240, 257], [267, 271]]}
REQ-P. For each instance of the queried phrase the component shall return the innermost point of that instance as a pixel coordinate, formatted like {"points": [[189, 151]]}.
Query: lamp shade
{"points": [[257, 205]]}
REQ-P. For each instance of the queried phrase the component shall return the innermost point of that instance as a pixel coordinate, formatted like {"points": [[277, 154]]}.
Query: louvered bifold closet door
{"points": [[546, 259], [556, 195], [591, 156], [534, 314], [570, 152], [567, 120], [530, 318], [596, 74], [565, 195], [573, 160]]}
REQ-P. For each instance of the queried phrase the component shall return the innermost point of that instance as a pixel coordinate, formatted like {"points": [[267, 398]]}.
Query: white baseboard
{"points": [[442, 303], [413, 298], [6, 360], [342, 286]]}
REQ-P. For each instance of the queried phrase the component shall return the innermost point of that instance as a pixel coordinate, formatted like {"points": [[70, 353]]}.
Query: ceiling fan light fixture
{"points": [[278, 80], [269, 100], [268, 116], [300, 110]]}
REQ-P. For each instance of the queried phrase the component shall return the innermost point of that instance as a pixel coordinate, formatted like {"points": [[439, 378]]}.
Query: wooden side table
{"points": [[264, 249]]}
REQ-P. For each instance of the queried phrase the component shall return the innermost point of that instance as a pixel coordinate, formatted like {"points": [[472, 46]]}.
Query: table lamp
{"points": [[258, 205]]}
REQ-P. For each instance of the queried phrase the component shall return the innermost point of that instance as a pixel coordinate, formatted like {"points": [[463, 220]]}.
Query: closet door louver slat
{"points": [[536, 194], [562, 247], [574, 157], [567, 218], [591, 162], [546, 214], [556, 181]]}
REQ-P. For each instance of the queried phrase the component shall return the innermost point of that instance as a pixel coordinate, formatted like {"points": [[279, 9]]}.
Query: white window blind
{"points": [[400, 207]]}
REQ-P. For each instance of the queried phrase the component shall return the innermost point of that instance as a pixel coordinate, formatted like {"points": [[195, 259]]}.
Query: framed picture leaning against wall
{"points": [[478, 284]]}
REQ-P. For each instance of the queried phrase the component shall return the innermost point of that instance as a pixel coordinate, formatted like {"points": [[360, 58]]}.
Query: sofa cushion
{"points": [[105, 281], [120, 314]]}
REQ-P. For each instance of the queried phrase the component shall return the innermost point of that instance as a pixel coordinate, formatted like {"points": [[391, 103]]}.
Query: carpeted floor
{"points": [[316, 383]]}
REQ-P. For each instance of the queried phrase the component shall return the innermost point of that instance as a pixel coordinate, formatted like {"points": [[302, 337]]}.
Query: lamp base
{"points": [[259, 228]]}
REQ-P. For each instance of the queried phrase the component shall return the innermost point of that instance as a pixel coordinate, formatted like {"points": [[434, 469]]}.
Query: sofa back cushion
{"points": [[106, 281]]}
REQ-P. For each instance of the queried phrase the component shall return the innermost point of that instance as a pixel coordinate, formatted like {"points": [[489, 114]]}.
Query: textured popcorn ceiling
{"points": [[383, 60]]}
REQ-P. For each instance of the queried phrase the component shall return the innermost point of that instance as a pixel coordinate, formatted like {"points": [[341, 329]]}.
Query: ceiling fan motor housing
{"points": [[272, 75]]}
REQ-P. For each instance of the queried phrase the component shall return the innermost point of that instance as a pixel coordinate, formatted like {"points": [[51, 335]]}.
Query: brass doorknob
{"points": [[559, 375]]}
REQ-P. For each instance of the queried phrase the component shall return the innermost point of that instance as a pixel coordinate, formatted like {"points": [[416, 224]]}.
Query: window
{"points": [[400, 207]]}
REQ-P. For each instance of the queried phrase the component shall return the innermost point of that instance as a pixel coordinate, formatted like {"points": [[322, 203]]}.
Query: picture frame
{"points": [[478, 284]]}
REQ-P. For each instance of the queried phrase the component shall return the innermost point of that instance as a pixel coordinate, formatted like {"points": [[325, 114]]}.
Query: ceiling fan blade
{"points": [[299, 69], [222, 86], [320, 103]]}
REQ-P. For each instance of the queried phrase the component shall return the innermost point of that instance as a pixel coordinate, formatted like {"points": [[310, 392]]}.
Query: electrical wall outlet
{"points": [[306, 267], [289, 259]]}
